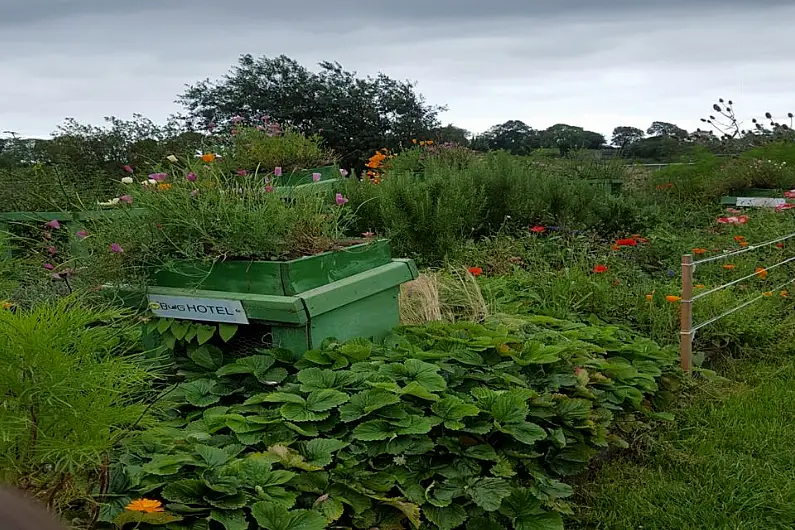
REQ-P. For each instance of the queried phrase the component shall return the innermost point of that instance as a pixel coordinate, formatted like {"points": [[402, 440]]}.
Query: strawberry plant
{"points": [[441, 426]]}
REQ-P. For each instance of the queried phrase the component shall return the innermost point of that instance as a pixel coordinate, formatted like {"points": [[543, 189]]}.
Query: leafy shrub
{"points": [[443, 424], [71, 386], [257, 148]]}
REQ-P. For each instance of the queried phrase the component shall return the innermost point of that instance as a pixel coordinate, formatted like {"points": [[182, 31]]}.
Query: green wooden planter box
{"points": [[293, 304], [611, 186], [752, 193], [304, 176]]}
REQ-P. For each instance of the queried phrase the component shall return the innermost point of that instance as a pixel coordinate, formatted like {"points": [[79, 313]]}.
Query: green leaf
{"points": [[446, 518], [167, 464], [231, 519], [509, 408], [323, 400], [227, 331], [482, 452], [289, 458], [272, 517], [208, 357], [256, 470], [321, 450], [409, 509], [331, 508], [356, 349], [186, 491], [254, 364], [425, 374], [162, 325], [413, 425], [417, 390], [199, 393], [179, 328], [526, 432], [299, 412], [488, 493], [229, 502], [190, 332], [526, 513], [545, 521], [212, 456], [452, 410], [366, 402], [373, 430], [204, 333], [155, 518]]}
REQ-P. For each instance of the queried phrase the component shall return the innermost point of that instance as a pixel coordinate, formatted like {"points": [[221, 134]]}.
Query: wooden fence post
{"points": [[686, 314]]}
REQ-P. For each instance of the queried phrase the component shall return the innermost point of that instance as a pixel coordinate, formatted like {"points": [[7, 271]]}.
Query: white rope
{"points": [[744, 250], [735, 282], [730, 311]]}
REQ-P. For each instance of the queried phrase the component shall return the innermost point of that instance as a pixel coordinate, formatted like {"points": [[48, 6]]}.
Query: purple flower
{"points": [[128, 168], [237, 119], [52, 250], [81, 234], [344, 172], [194, 193], [115, 247], [340, 199], [277, 171], [242, 172], [316, 177], [191, 177], [53, 224], [211, 126], [158, 177], [49, 266], [126, 198]]}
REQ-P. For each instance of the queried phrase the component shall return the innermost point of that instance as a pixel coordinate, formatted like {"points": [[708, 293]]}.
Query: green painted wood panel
{"points": [[371, 317]]}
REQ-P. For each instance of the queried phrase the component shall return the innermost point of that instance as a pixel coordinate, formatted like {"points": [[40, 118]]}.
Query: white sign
{"points": [[760, 202], [206, 309]]}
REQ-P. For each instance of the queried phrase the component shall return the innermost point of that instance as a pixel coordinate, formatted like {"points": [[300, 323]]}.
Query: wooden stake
{"points": [[686, 314]]}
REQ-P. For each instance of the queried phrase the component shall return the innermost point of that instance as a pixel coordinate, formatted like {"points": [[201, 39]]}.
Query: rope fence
{"points": [[687, 330]]}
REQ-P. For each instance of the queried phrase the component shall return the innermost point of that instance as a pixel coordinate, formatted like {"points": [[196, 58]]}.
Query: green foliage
{"points": [[443, 424], [72, 386], [254, 149]]}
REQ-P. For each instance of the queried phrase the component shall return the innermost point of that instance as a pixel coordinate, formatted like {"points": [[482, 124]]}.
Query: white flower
{"points": [[150, 182], [127, 180], [171, 158], [113, 202]]}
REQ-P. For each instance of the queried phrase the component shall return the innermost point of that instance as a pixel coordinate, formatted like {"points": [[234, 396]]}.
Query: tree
{"points": [[514, 136], [567, 137], [450, 134], [355, 116], [624, 136], [661, 128]]}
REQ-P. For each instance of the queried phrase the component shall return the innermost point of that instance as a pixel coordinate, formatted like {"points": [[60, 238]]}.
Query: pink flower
{"points": [[194, 193], [127, 198], [52, 250], [242, 172], [191, 177], [115, 247], [128, 168], [53, 224], [738, 220], [316, 177], [277, 171], [268, 188], [49, 266], [237, 119], [81, 234], [782, 207], [158, 177], [211, 126], [733, 210], [344, 172], [368, 234], [340, 199], [789, 194]]}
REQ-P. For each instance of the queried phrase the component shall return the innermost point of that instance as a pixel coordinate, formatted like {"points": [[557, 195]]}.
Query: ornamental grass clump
{"points": [[199, 211]]}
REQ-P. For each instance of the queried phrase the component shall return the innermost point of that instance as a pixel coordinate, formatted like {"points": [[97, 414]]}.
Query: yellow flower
{"points": [[767, 293], [700, 286], [172, 159], [208, 157], [784, 294], [422, 142], [7, 305], [164, 186], [145, 505]]}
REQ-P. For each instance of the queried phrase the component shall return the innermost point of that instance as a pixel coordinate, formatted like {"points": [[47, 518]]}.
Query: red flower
{"points": [[738, 220], [628, 242], [599, 269], [538, 229], [789, 194], [780, 245], [475, 271]]}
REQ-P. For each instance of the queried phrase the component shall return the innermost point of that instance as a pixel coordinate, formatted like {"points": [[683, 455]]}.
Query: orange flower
{"points": [[475, 271], [429, 142], [628, 242], [615, 247], [164, 186], [729, 267], [699, 251], [743, 243], [649, 297], [767, 293], [414, 141], [208, 157], [599, 269], [145, 505], [699, 286], [422, 142], [784, 294], [761, 272], [673, 299], [739, 238]]}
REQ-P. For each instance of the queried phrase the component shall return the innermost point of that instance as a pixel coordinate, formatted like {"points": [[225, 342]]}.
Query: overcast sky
{"points": [[596, 64]]}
